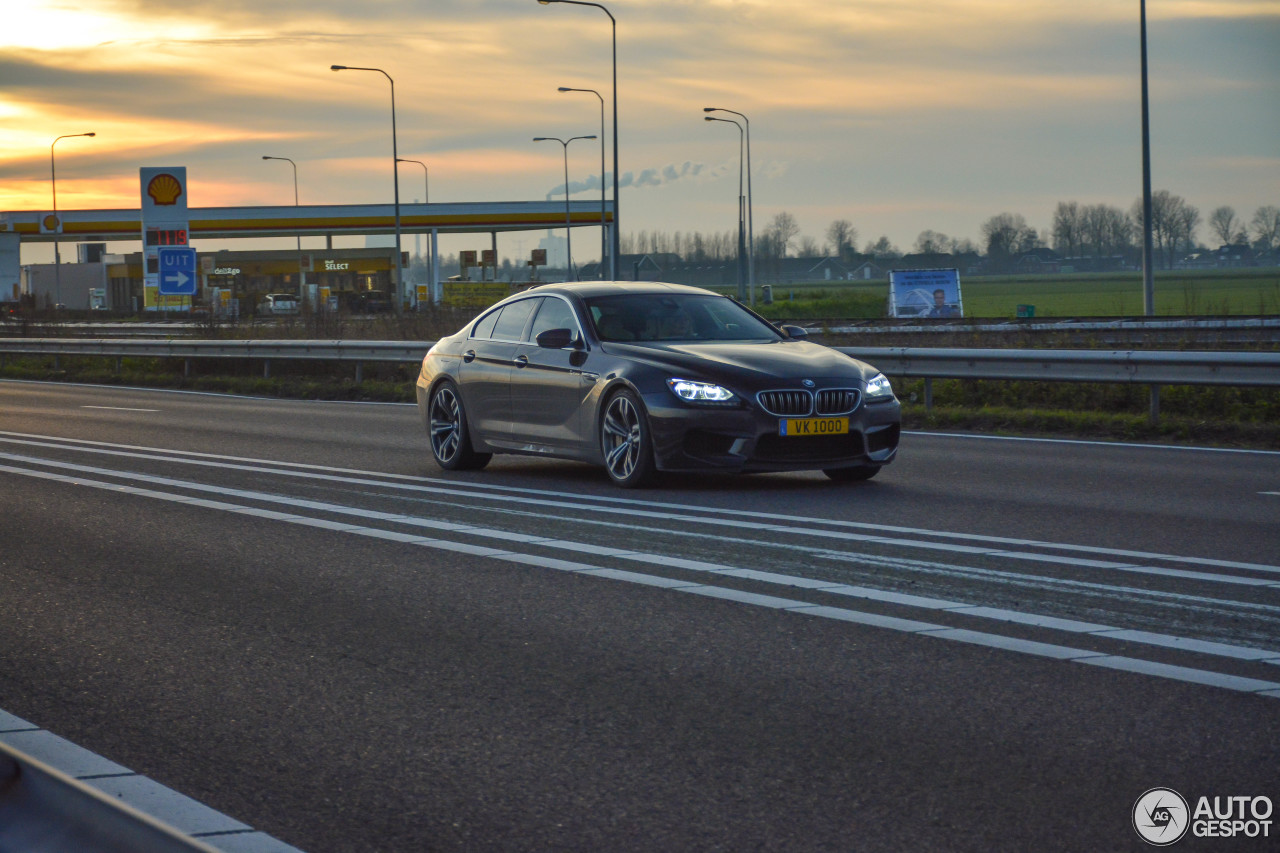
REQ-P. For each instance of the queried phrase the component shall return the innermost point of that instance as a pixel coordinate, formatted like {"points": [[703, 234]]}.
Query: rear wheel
{"points": [[626, 441], [447, 424], [852, 475]]}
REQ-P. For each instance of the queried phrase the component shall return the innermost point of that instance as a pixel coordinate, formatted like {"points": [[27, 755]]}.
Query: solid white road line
{"points": [[1187, 674]]}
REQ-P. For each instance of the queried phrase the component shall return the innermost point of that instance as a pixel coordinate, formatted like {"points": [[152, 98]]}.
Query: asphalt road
{"points": [[286, 611]]}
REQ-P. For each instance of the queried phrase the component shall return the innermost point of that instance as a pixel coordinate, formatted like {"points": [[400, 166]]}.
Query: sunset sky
{"points": [[897, 115]]}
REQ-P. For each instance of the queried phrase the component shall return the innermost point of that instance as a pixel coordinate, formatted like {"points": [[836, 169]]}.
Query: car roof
{"points": [[588, 289]]}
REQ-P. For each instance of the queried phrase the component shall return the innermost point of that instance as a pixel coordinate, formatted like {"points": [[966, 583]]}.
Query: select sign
{"points": [[177, 270]]}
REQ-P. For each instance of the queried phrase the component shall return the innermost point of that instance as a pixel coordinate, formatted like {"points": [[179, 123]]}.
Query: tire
{"points": [[852, 475], [626, 441], [447, 431]]}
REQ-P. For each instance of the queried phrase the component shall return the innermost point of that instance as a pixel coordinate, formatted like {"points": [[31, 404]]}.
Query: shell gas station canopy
{"points": [[307, 220]]}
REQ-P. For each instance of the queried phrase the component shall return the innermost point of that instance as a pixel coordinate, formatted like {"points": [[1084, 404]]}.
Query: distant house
{"points": [[868, 271], [1111, 263], [1042, 260], [718, 273], [650, 267], [796, 270], [1238, 255]]}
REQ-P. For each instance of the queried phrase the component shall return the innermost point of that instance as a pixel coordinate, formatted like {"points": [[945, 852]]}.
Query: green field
{"points": [[1251, 292]]}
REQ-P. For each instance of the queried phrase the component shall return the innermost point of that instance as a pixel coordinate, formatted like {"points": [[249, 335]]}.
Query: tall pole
{"points": [[615, 240], [1148, 259], [603, 226], [568, 226], [57, 258], [426, 179], [395, 177], [426, 199], [742, 247], [302, 273], [751, 224]]}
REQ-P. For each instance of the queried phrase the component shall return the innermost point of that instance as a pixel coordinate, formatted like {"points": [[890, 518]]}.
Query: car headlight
{"points": [[700, 392], [878, 387]]}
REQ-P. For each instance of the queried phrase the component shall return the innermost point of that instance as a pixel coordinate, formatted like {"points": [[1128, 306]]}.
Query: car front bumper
{"points": [[746, 439]]}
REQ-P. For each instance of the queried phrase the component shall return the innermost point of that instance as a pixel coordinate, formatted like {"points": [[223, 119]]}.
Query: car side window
{"points": [[484, 329], [554, 314], [510, 325]]}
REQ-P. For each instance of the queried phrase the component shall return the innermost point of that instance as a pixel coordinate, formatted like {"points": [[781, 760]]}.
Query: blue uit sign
{"points": [[177, 270]]}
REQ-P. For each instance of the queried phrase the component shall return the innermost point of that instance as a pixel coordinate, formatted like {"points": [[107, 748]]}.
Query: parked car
{"points": [[368, 302], [647, 377], [276, 304]]}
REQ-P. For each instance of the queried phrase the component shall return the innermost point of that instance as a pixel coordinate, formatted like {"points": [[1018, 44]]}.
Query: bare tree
{"points": [[1068, 229], [1266, 228], [1173, 224], [783, 229], [1108, 231], [1008, 235], [883, 248], [841, 237], [931, 243], [809, 248], [1225, 226]]}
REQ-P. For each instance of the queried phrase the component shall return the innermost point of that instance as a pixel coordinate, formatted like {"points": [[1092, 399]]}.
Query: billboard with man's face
{"points": [[925, 294]]}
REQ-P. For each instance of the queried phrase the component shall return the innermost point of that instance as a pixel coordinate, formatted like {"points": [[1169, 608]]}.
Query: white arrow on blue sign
{"points": [[177, 270]]}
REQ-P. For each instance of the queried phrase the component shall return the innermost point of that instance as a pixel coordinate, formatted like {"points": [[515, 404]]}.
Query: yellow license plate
{"points": [[813, 426]]}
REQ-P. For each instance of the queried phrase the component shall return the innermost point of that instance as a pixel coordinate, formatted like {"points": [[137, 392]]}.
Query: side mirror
{"points": [[558, 339], [795, 332]]}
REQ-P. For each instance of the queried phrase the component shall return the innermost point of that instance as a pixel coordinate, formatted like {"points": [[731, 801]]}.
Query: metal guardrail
{"points": [[44, 809], [385, 351], [1141, 367]]}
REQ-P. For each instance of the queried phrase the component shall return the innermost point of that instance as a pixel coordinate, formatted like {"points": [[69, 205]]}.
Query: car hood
{"points": [[750, 362]]}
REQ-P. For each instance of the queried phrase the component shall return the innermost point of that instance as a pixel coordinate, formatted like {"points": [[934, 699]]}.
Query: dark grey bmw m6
{"points": [[642, 377]]}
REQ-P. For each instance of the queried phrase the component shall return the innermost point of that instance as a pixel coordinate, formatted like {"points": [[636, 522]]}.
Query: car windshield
{"points": [[665, 317]]}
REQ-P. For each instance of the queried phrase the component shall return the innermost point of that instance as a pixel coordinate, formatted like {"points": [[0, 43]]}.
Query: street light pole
{"points": [[395, 176], [568, 228], [426, 179], [57, 225], [615, 240], [751, 224], [302, 273], [603, 229], [1148, 259], [742, 247], [426, 199]]}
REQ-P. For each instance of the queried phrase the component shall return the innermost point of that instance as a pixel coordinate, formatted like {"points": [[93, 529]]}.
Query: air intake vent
{"points": [[837, 401], [786, 403]]}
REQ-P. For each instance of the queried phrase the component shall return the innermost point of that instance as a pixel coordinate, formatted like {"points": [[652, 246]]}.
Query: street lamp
{"points": [[57, 226], [742, 247], [751, 224], [426, 199], [1148, 259], [302, 273], [426, 178], [568, 228], [615, 240], [603, 230], [395, 175]]}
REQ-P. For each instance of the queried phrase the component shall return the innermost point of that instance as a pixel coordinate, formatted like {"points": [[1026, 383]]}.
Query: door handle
{"points": [[521, 361], [469, 356]]}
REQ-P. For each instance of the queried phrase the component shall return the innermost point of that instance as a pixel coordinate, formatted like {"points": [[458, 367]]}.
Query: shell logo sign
{"points": [[164, 189], [163, 194]]}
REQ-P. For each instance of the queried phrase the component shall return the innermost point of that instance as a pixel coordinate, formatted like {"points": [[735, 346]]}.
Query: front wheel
{"points": [[852, 475], [626, 441], [447, 423]]}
